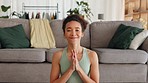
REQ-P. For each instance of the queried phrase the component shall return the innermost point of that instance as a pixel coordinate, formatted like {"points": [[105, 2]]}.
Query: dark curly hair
{"points": [[77, 18]]}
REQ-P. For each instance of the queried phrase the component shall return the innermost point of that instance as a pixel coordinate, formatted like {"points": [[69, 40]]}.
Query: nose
{"points": [[73, 33]]}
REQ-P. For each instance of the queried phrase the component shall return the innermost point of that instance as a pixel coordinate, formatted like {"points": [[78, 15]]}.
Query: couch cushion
{"points": [[123, 73], [56, 26], [102, 32], [25, 72], [13, 37], [139, 39], [22, 55], [123, 36], [13, 22], [107, 55], [50, 53]]}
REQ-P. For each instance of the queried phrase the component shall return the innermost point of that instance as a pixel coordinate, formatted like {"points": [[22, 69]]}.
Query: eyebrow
{"points": [[75, 27], [68, 28]]}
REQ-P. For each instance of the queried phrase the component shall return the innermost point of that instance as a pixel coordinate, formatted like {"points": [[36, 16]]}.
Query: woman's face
{"points": [[73, 32]]}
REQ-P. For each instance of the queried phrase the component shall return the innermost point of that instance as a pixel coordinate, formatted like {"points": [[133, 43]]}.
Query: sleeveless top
{"points": [[65, 64]]}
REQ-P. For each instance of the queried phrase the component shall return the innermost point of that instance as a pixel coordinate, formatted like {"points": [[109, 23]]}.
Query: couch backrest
{"points": [[13, 22], [98, 34], [56, 26], [102, 32]]}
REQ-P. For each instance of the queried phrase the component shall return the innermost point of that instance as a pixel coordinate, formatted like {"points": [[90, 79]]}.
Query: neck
{"points": [[75, 47]]}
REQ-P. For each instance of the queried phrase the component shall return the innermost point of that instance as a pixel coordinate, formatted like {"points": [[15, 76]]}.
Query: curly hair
{"points": [[77, 18]]}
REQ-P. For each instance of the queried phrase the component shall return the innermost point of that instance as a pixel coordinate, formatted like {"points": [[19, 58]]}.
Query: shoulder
{"points": [[58, 53], [92, 56], [57, 56], [91, 53]]}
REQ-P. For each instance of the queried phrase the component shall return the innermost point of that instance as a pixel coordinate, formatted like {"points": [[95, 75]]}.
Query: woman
{"points": [[75, 63]]}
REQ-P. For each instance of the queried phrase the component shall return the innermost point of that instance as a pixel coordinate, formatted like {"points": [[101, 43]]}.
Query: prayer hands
{"points": [[75, 62]]}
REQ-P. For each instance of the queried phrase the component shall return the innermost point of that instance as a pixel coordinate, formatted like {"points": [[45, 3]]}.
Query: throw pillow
{"points": [[13, 37], [123, 36], [139, 39]]}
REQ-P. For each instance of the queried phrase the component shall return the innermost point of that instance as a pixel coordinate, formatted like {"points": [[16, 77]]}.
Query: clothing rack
{"points": [[48, 8]]}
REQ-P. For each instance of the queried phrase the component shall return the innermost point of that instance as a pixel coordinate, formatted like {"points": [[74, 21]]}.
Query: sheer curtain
{"points": [[114, 10]]}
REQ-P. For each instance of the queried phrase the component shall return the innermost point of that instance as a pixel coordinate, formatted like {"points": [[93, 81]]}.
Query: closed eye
{"points": [[77, 30], [68, 30]]}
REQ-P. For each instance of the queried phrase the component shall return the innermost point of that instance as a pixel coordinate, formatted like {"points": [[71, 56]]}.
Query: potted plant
{"points": [[81, 9], [4, 9]]}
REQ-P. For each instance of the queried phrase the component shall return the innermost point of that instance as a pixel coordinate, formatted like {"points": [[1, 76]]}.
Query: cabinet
{"points": [[137, 10]]}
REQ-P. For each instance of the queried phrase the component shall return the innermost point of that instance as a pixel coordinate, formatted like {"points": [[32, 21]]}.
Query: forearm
{"points": [[84, 77], [64, 77]]}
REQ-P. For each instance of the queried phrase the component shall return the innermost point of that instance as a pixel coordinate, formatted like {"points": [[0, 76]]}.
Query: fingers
{"points": [[75, 63], [73, 54]]}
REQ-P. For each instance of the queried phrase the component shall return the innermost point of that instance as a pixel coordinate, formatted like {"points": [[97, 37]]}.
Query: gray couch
{"points": [[33, 65]]}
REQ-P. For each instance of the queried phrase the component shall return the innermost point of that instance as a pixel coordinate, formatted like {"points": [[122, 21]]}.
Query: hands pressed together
{"points": [[75, 63]]}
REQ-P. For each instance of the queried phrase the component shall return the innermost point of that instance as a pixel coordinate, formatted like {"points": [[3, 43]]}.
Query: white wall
{"points": [[1, 2], [112, 9], [98, 7]]}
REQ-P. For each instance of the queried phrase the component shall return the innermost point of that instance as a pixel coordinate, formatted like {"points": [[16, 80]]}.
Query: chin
{"points": [[73, 41]]}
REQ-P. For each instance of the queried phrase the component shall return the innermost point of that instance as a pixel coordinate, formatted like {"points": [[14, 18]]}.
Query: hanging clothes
{"points": [[55, 15], [38, 15], [27, 15], [41, 34], [32, 16], [48, 16], [43, 15], [52, 16]]}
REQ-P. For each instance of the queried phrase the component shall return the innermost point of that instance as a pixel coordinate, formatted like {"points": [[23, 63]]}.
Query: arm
{"points": [[54, 76], [94, 71]]}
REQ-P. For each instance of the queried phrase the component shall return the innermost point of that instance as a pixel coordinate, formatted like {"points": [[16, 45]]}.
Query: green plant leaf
{"points": [[4, 17], [78, 3], [81, 9], [76, 11], [4, 8]]}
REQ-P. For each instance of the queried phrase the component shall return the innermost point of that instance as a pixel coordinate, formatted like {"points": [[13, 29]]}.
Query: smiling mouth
{"points": [[73, 37]]}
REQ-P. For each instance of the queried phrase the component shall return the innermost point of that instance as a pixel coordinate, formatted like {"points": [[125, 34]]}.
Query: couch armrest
{"points": [[145, 45]]}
